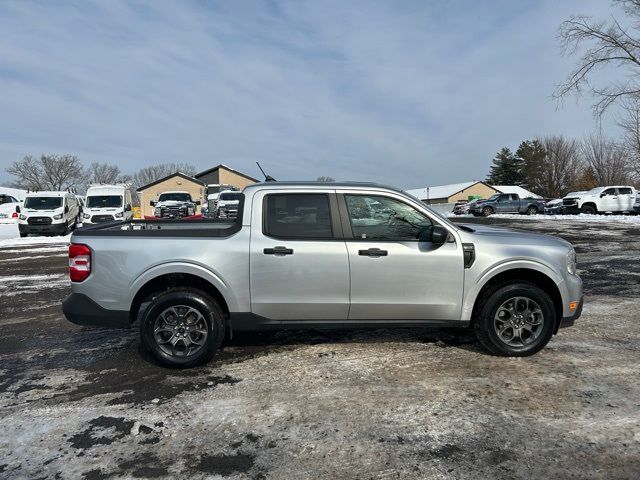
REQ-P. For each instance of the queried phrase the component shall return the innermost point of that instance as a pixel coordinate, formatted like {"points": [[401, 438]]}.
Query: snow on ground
{"points": [[634, 219], [10, 237]]}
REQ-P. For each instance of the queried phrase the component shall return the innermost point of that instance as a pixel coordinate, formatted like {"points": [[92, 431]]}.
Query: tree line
{"points": [[68, 172], [554, 165]]}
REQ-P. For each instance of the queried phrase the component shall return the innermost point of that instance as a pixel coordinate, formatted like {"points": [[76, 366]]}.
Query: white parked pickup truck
{"points": [[615, 199]]}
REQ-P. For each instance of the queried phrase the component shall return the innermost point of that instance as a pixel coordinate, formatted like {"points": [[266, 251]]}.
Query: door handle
{"points": [[373, 252], [278, 251]]}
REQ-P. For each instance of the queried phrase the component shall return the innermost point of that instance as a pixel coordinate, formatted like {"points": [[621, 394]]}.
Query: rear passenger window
{"points": [[298, 215], [625, 191]]}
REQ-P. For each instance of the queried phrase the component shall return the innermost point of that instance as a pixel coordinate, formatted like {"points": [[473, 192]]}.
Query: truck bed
{"points": [[163, 228]]}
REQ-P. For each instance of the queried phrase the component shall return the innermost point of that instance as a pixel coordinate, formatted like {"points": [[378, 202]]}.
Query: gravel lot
{"points": [[86, 403]]}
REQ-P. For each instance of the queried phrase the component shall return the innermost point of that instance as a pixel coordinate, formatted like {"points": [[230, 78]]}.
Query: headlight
{"points": [[157, 212], [57, 217], [23, 217], [571, 262], [118, 215], [86, 215]]}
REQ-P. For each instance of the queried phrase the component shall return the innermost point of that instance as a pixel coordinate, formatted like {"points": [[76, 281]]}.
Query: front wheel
{"points": [[486, 211], [182, 328], [589, 210], [532, 210], [515, 320]]}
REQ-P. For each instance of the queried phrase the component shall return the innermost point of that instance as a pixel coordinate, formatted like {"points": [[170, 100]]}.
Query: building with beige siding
{"points": [[178, 182], [453, 193], [223, 174]]}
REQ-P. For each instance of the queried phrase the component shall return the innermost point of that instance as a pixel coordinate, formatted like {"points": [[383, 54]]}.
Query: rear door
{"points": [[626, 198], [299, 267], [394, 276]]}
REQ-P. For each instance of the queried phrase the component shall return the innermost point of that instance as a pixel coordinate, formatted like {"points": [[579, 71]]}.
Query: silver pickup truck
{"points": [[320, 255]]}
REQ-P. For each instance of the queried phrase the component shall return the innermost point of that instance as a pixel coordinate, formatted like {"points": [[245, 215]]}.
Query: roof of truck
{"points": [[292, 184], [48, 194]]}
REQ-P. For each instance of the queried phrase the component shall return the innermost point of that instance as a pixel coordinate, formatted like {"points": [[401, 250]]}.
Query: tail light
{"points": [[79, 262], [14, 215]]}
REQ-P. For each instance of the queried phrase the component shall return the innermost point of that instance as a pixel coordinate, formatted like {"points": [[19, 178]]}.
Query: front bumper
{"points": [[81, 310], [58, 228], [570, 320]]}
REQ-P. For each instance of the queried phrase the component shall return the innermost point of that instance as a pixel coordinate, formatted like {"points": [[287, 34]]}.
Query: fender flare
{"points": [[473, 290], [183, 268]]}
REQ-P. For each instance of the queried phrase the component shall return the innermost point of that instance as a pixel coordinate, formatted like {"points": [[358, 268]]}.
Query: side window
{"points": [[297, 216], [503, 198], [625, 191], [609, 191], [383, 218]]}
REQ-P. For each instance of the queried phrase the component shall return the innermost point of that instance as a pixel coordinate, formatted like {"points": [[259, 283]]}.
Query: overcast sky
{"points": [[407, 93]]}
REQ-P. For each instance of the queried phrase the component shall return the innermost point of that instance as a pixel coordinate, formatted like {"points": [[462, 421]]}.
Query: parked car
{"points": [[107, 203], [213, 192], [461, 207], [49, 213], [227, 205], [174, 205], [615, 199], [508, 203], [636, 205], [320, 255], [9, 206]]}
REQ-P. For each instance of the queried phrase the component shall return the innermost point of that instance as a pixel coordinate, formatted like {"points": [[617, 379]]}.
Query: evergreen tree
{"points": [[531, 154], [506, 169]]}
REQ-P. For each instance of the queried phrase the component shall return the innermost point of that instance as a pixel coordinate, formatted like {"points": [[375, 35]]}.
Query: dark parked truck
{"points": [[316, 255], [508, 203]]}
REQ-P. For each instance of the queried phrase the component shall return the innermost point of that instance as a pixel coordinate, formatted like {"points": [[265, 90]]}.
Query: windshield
{"points": [[43, 203], [175, 197], [211, 189], [493, 197], [230, 196], [431, 211], [104, 201]]}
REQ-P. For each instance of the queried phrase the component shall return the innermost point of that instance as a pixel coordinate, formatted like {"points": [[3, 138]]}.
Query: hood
{"points": [[172, 203], [507, 236]]}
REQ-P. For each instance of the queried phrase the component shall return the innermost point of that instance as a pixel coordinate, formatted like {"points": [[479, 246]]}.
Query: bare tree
{"points": [[49, 172], [607, 159], [325, 179], [561, 166], [152, 173], [630, 124], [103, 173], [606, 44]]}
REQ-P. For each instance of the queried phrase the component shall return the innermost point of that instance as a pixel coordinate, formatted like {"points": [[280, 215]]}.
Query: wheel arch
{"points": [[167, 277], [534, 274]]}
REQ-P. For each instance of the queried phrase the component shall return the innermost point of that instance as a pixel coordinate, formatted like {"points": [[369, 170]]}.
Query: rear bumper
{"points": [[58, 228], [570, 320], [81, 310]]}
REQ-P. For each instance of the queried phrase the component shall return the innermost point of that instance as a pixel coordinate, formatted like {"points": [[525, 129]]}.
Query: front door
{"points": [[299, 267], [609, 200], [504, 204], [394, 276]]}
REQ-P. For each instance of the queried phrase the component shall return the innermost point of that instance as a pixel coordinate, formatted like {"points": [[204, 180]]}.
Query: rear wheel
{"points": [[515, 320], [22, 235], [486, 211], [182, 328], [532, 210], [589, 210]]}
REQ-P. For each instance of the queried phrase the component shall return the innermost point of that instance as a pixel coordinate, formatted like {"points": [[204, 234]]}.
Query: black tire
{"points": [[532, 210], [485, 325], [211, 314], [589, 210], [486, 211], [22, 235]]}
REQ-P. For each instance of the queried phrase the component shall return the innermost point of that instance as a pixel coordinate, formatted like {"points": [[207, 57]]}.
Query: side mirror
{"points": [[439, 234], [152, 203], [66, 209], [17, 208], [197, 202], [435, 234], [127, 208]]}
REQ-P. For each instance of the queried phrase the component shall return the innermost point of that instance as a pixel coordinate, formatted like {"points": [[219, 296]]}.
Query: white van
{"points": [[49, 213], [107, 203]]}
